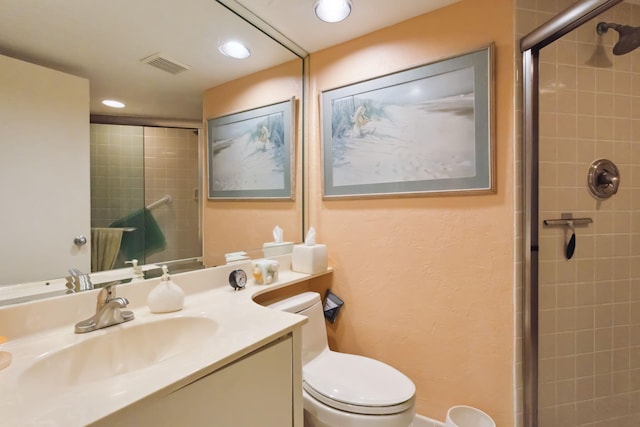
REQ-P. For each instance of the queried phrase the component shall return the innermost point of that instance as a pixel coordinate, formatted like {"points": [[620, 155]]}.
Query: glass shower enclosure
{"points": [[581, 309]]}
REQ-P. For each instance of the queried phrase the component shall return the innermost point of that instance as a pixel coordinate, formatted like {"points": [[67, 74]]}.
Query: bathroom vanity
{"points": [[223, 360], [255, 390]]}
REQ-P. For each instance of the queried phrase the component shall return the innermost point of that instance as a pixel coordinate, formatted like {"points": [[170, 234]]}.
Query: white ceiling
{"points": [[296, 20], [104, 41]]}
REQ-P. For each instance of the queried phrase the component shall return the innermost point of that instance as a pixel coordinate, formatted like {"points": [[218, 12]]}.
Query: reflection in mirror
{"points": [[144, 195], [253, 221], [85, 52]]}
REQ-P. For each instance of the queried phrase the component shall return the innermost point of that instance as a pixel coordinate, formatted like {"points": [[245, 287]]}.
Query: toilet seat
{"points": [[357, 384]]}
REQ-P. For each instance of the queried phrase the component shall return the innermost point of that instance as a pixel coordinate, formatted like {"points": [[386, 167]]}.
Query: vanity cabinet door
{"points": [[254, 391]]}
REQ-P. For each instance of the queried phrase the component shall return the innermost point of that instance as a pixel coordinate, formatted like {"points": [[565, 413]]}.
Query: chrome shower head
{"points": [[628, 40]]}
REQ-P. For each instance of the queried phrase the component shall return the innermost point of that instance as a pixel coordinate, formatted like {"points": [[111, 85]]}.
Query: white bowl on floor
{"points": [[467, 416]]}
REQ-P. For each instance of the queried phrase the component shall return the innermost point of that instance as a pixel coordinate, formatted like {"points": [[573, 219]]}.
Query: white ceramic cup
{"points": [[467, 416]]}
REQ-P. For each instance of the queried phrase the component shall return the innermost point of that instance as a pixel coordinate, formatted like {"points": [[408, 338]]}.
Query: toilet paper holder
{"points": [[332, 305]]}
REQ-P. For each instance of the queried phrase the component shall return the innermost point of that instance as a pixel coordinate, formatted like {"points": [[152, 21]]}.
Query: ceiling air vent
{"points": [[165, 64]]}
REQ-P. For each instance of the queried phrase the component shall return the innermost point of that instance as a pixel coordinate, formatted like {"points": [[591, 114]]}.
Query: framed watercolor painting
{"points": [[421, 131], [250, 153]]}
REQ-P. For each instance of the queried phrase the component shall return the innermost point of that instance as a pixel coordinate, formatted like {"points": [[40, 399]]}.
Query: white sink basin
{"points": [[118, 350]]}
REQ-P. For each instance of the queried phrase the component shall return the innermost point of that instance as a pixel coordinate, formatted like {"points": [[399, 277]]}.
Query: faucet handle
{"points": [[108, 292]]}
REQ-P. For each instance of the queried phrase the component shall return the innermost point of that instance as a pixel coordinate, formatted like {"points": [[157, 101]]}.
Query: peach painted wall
{"points": [[428, 282], [242, 225]]}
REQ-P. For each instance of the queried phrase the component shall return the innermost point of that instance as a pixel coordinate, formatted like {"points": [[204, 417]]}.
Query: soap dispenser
{"points": [[167, 296], [138, 274]]}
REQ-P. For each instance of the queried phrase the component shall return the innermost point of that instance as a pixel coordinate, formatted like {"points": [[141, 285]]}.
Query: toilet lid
{"points": [[357, 384]]}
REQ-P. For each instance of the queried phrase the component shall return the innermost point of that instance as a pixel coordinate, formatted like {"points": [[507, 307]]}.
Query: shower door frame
{"points": [[530, 46]]}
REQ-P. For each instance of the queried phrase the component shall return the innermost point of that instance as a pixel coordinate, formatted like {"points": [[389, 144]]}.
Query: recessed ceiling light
{"points": [[332, 10], [234, 49], [113, 103]]}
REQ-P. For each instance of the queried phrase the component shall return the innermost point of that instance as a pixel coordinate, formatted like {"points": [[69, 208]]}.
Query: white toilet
{"points": [[346, 390]]}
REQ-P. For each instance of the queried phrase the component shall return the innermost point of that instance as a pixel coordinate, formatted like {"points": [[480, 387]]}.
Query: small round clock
{"points": [[238, 279]]}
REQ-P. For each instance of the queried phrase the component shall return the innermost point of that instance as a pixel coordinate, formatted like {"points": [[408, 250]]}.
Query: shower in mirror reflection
{"points": [[133, 167]]}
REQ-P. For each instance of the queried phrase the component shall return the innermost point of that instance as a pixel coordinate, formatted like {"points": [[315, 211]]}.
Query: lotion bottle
{"points": [[167, 296]]}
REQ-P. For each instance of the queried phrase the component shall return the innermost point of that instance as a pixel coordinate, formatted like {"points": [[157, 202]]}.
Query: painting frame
{"points": [[251, 155], [461, 161]]}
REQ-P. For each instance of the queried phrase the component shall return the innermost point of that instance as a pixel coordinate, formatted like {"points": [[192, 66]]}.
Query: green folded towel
{"points": [[147, 238]]}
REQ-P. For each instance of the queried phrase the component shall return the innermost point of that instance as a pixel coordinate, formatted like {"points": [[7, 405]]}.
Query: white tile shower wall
{"points": [[589, 364], [117, 175]]}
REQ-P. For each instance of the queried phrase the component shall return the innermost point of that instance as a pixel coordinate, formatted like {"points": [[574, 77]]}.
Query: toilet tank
{"points": [[314, 332]]}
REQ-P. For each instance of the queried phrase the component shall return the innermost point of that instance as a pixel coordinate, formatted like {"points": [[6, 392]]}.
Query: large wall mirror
{"points": [[59, 185]]}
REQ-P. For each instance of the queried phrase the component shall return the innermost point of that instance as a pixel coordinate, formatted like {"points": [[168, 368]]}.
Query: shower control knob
{"points": [[607, 179], [603, 179], [80, 240]]}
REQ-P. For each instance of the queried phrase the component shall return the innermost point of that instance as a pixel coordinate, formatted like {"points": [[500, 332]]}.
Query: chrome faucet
{"points": [[108, 311]]}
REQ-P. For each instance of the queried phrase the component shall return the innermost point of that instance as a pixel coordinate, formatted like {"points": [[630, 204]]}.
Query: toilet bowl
{"points": [[342, 389]]}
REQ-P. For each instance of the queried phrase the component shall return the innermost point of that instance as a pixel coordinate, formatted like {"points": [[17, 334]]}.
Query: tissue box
{"points": [[309, 259], [236, 256], [274, 249]]}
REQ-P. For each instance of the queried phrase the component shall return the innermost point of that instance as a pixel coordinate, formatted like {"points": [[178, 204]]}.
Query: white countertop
{"points": [[37, 328]]}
